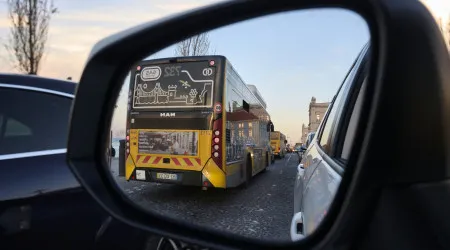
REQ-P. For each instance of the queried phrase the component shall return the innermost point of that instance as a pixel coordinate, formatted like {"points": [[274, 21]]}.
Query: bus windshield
{"points": [[174, 85]]}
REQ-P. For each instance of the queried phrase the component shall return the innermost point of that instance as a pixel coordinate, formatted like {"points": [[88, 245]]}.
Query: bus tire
{"points": [[267, 163], [248, 171]]}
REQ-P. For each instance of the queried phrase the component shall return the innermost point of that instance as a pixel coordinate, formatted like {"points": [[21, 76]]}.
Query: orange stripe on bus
{"points": [[188, 162], [156, 160], [146, 159], [175, 160]]}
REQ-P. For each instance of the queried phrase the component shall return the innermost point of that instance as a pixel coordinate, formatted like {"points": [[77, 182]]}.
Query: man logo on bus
{"points": [[167, 114], [218, 107]]}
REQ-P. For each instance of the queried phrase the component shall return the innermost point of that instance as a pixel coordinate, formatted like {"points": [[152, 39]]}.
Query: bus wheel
{"points": [[267, 163], [248, 172]]}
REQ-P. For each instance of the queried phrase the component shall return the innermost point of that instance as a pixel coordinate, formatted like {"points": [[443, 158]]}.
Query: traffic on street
{"points": [[262, 210]]}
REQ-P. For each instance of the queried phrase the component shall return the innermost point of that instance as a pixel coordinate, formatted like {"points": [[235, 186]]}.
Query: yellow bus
{"points": [[193, 121], [278, 143]]}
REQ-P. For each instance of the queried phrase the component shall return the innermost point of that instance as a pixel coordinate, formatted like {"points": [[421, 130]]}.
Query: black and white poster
{"points": [[178, 85], [170, 143]]}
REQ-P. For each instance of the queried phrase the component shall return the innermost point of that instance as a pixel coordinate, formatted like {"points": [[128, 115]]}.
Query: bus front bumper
{"points": [[207, 178], [180, 177]]}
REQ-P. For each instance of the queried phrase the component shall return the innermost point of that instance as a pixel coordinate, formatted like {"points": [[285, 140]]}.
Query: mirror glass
{"points": [[204, 130]]}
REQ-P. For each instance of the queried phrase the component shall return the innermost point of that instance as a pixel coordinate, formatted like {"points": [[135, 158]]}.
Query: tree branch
{"points": [[194, 46], [30, 20]]}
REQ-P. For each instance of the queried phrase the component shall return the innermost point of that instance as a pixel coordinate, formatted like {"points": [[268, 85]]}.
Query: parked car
{"points": [[42, 205], [317, 181], [309, 138]]}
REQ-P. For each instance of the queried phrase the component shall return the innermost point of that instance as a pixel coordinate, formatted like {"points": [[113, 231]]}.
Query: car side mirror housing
{"points": [[111, 59]]}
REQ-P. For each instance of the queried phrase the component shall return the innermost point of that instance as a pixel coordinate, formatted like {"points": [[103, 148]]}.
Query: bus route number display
{"points": [[172, 71]]}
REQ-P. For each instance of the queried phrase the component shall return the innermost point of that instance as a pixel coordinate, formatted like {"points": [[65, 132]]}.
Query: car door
{"points": [[39, 196], [324, 162], [326, 178]]}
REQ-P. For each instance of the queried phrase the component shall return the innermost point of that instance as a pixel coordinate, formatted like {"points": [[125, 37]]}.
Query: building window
{"points": [[317, 117]]}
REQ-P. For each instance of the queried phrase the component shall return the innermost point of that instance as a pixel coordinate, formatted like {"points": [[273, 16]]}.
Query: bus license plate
{"points": [[165, 176]]}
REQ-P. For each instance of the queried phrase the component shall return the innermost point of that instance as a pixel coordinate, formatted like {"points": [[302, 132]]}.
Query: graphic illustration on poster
{"points": [[150, 95]]}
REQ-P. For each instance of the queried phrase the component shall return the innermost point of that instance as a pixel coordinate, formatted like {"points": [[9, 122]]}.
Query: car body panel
{"points": [[317, 182], [32, 180], [42, 204], [319, 193]]}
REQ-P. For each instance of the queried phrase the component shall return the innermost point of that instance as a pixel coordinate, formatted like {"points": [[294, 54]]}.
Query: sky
{"points": [[290, 57]]}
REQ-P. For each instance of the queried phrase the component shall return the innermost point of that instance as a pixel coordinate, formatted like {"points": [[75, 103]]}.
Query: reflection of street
{"points": [[263, 210]]}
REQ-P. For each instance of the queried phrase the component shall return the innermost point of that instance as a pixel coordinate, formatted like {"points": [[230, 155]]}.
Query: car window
{"points": [[350, 134], [310, 138], [16, 128], [334, 109], [33, 121], [337, 108], [1, 124]]}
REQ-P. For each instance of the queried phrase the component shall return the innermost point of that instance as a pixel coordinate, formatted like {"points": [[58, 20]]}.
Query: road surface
{"points": [[262, 211]]}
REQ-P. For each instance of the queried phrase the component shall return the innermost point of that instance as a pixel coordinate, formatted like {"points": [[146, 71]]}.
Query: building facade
{"points": [[317, 111]]}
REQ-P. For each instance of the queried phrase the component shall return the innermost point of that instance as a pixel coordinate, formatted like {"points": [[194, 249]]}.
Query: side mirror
{"points": [[112, 59]]}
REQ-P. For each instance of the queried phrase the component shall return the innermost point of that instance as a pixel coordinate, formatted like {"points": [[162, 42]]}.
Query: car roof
{"points": [[33, 81]]}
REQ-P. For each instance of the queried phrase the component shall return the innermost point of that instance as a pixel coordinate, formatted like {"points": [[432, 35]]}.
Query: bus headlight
{"points": [[216, 154], [216, 140]]}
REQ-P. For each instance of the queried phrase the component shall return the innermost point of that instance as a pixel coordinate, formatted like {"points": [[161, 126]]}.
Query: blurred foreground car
{"points": [[42, 205], [317, 181]]}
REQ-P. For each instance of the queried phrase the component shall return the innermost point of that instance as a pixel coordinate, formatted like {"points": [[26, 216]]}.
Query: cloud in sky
{"points": [[80, 24]]}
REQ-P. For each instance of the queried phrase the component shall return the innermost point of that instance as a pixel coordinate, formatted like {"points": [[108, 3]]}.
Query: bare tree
{"points": [[194, 46], [30, 20]]}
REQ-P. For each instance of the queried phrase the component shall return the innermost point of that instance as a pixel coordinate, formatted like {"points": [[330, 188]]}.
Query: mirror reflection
{"points": [[224, 129]]}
